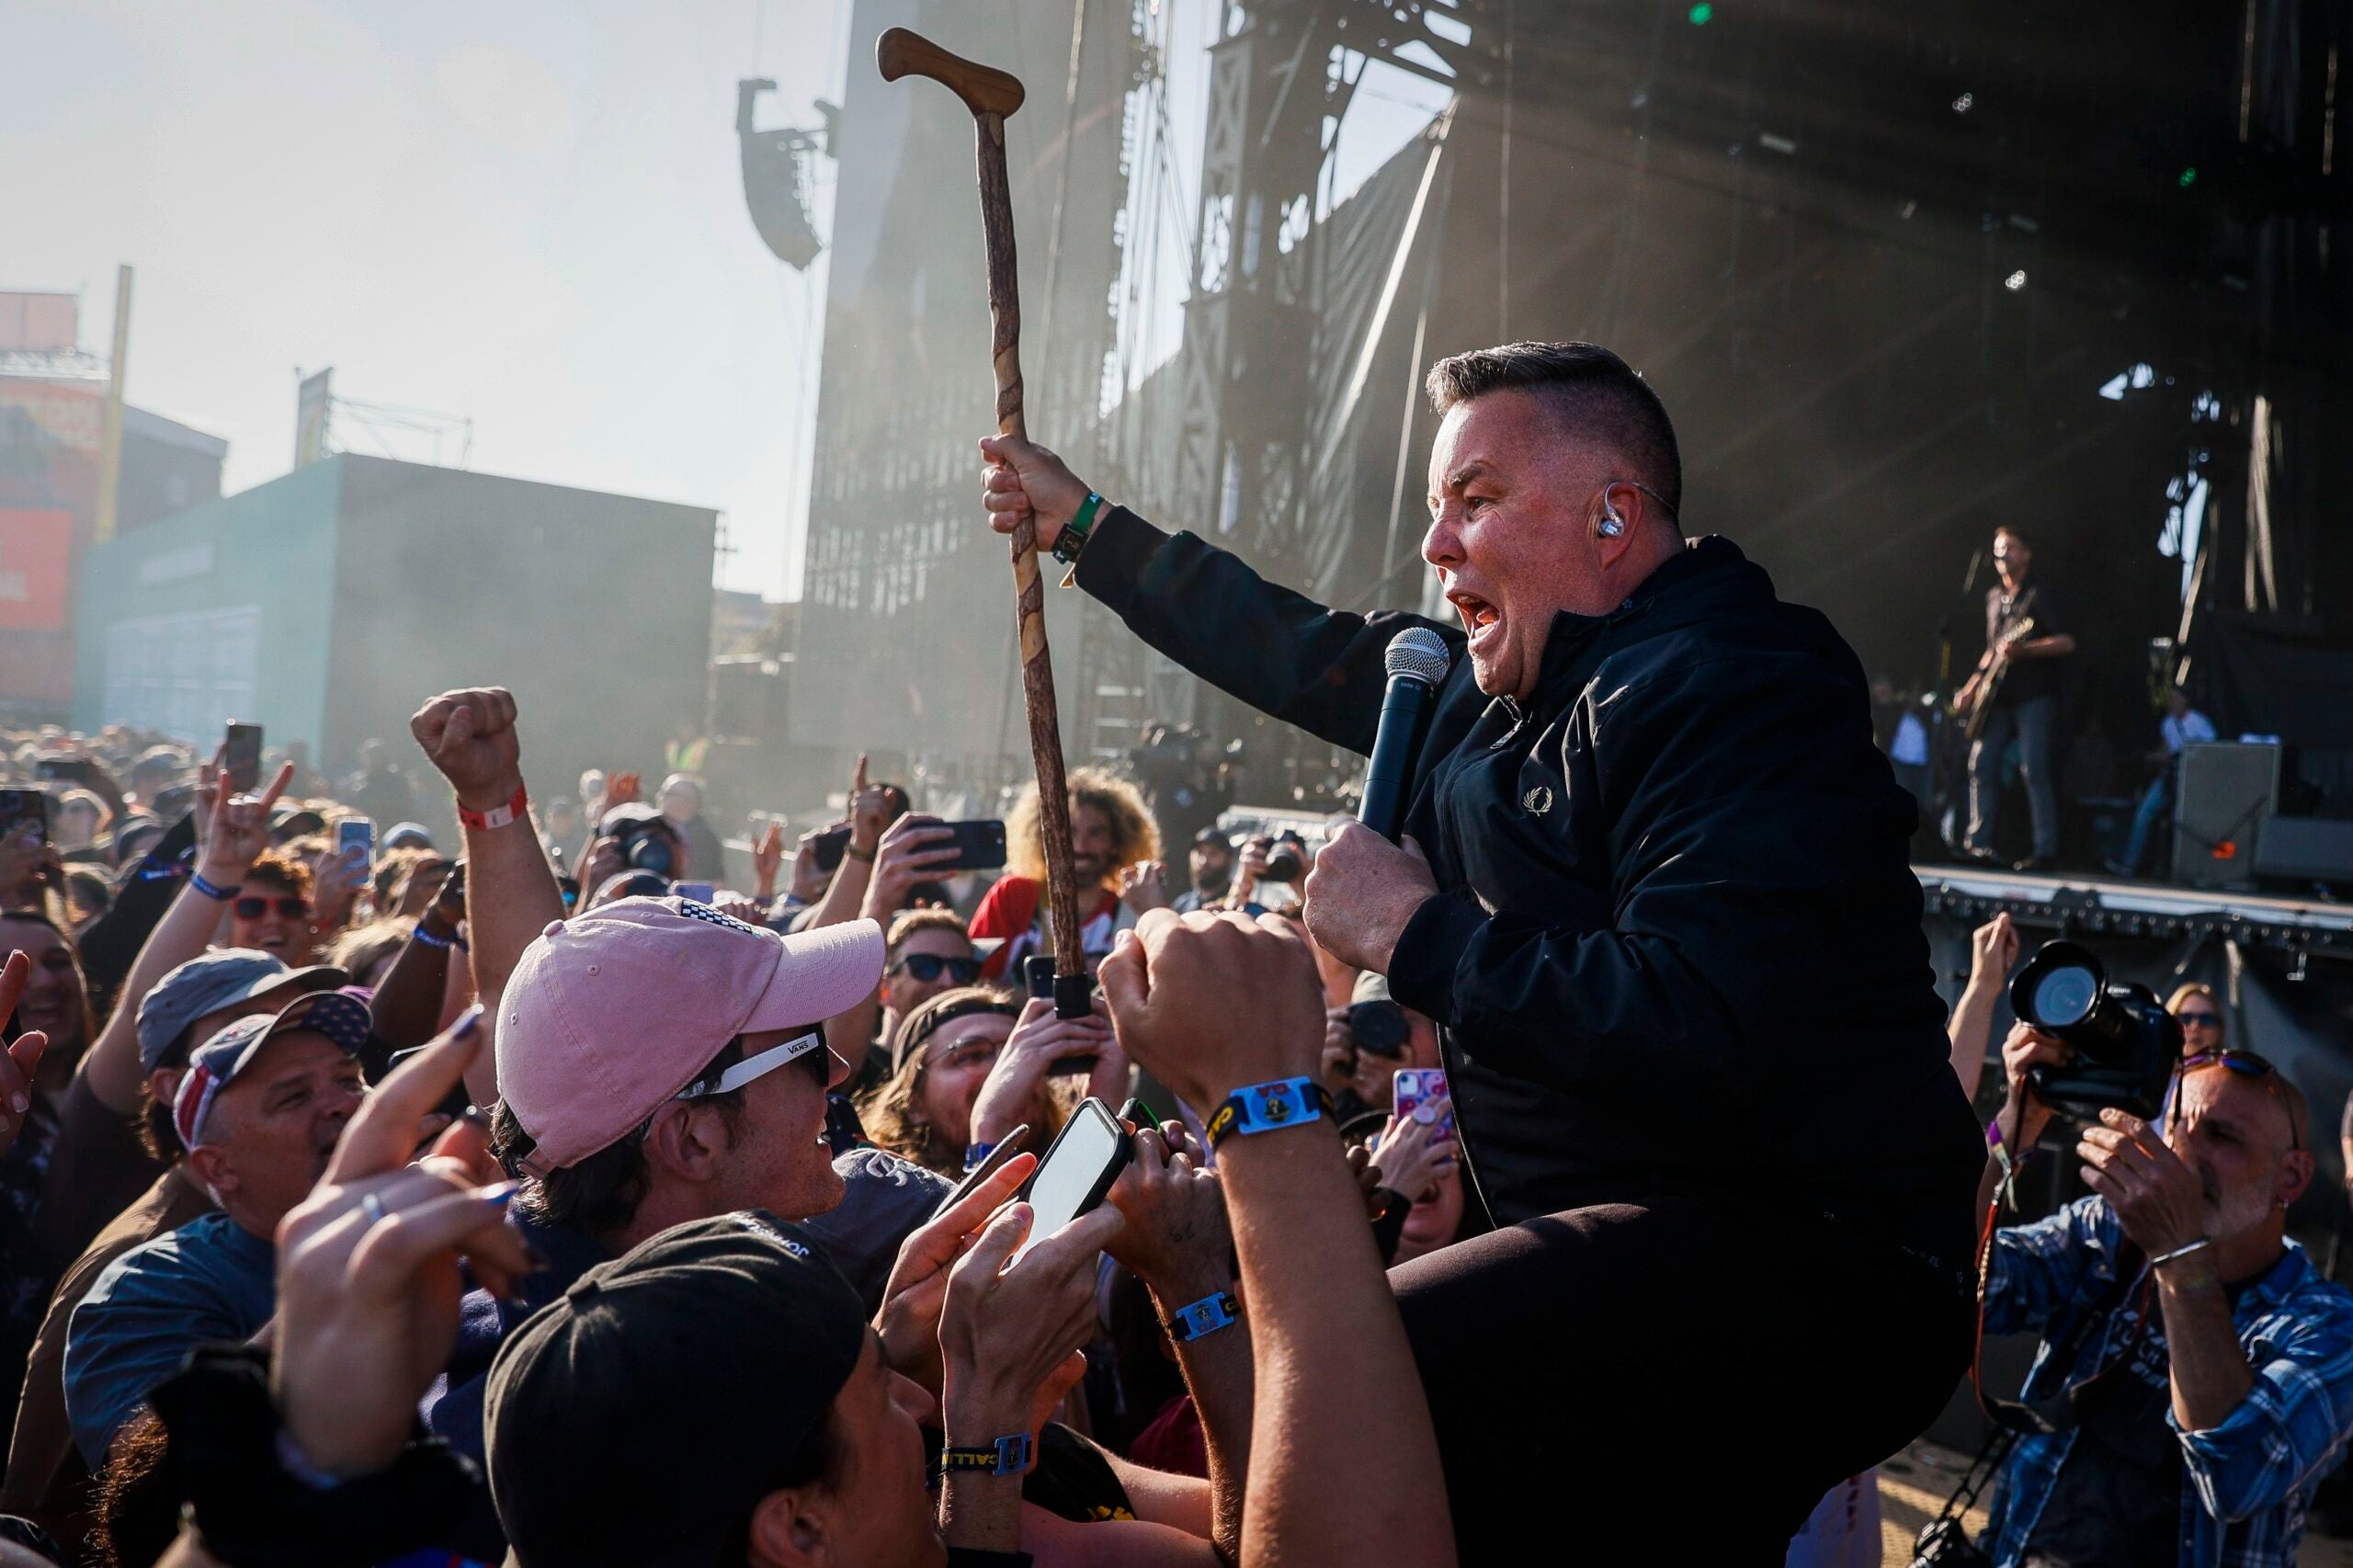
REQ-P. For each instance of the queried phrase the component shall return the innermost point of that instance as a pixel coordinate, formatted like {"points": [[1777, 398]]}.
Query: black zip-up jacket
{"points": [[1677, 950]]}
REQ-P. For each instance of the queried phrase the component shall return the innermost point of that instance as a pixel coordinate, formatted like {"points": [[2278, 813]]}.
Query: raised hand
{"points": [[237, 829], [767, 859], [809, 877], [1141, 886], [1992, 948], [2158, 1198], [870, 809], [21, 1061], [336, 876], [1018, 1076], [917, 1288], [1024, 480], [2025, 1048], [369, 1267], [1006, 1332], [470, 737], [1176, 1239], [915, 849], [1414, 1153], [1170, 984]]}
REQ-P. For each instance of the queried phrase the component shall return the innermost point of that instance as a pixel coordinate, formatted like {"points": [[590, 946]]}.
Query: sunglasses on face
{"points": [[288, 908], [929, 966], [2200, 1021]]}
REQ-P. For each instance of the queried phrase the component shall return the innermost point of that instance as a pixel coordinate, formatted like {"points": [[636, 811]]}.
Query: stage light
{"points": [[1964, 103], [1702, 14], [2190, 176], [2016, 280]]}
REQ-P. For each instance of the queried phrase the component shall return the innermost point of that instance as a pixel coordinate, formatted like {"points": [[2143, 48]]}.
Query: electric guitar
{"points": [[1975, 698]]}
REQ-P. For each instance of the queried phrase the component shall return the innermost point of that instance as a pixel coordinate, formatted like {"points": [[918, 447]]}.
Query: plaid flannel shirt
{"points": [[2248, 1482]]}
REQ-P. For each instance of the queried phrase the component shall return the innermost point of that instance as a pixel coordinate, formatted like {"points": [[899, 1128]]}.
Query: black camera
{"points": [[1286, 859], [2125, 1044], [649, 849], [1379, 1027]]}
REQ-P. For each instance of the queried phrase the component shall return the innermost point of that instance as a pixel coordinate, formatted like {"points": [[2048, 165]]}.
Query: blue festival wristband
{"points": [[976, 1152], [1269, 1107], [1203, 1318], [212, 891]]}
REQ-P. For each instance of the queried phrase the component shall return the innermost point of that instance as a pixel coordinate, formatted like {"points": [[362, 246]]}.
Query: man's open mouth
{"points": [[1479, 616]]}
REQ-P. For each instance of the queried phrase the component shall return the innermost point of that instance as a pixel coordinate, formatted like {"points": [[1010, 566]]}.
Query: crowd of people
{"points": [[526, 1193], [327, 1172]]}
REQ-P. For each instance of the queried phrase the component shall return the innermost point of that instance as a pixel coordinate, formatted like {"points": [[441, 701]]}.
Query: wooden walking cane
{"points": [[991, 94]]}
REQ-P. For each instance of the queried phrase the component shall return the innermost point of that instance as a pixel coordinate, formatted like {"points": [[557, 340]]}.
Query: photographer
{"points": [[2199, 1417]]}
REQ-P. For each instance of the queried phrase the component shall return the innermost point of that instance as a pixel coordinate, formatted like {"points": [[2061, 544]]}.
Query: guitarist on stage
{"points": [[2015, 693]]}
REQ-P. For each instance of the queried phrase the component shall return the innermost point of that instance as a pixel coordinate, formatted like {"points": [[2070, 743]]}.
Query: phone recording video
{"points": [[241, 758]]}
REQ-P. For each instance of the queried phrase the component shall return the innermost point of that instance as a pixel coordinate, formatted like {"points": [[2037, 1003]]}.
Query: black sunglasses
{"points": [[2210, 1020], [254, 908], [927, 967]]}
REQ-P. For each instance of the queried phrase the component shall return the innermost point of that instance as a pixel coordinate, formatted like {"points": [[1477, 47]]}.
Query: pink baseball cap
{"points": [[613, 1012]]}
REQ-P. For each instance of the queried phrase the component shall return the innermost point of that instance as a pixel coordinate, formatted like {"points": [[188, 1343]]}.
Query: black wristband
{"points": [[222, 1455]]}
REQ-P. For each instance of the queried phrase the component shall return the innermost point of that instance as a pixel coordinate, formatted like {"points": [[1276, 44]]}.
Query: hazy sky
{"points": [[527, 212]]}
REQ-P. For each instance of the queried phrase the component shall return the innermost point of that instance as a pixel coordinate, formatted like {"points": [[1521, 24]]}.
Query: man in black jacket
{"points": [[1654, 891]]}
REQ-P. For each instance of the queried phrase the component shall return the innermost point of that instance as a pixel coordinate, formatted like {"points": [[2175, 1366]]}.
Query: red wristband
{"points": [[499, 816]]}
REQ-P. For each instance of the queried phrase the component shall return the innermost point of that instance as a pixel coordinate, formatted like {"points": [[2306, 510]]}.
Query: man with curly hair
{"points": [[1111, 830]]}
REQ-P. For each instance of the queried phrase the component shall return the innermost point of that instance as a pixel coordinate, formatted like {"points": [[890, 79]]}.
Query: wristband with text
{"points": [[430, 940], [1006, 1456], [1203, 1317], [212, 891], [497, 816], [1269, 1107]]}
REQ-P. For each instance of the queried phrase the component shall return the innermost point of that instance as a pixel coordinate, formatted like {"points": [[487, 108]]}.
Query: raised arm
{"points": [[511, 894], [1344, 1462], [238, 832], [1277, 650]]}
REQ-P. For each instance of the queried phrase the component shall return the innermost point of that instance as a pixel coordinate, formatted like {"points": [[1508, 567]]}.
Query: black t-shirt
{"points": [[2027, 678], [2116, 1502]]}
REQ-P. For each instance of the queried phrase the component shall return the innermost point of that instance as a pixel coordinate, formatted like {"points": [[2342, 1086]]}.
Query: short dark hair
{"points": [[600, 1194], [915, 921], [1588, 388]]}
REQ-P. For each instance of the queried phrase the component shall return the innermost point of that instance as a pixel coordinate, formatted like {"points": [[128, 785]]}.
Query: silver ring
{"points": [[373, 1206]]}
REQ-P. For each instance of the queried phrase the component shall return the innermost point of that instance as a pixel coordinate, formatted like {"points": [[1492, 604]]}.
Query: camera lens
{"points": [[650, 852], [2065, 995]]}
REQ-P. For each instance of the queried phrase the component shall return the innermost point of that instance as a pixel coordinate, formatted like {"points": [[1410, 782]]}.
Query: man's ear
{"points": [[213, 1172], [2296, 1170], [164, 1083], [793, 1528], [681, 1141]]}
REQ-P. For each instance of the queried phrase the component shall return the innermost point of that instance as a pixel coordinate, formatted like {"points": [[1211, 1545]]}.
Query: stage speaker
{"points": [[2223, 795], [2306, 849]]}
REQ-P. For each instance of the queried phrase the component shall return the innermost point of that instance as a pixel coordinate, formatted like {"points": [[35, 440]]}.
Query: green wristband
{"points": [[1073, 539]]}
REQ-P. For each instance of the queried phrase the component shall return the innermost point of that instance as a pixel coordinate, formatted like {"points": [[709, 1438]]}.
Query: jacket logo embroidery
{"points": [[1539, 799]]}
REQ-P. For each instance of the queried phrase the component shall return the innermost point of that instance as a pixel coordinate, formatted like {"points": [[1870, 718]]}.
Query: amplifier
{"points": [[2224, 796], [2306, 849]]}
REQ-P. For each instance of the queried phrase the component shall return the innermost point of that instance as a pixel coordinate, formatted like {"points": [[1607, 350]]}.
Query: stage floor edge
{"points": [[2111, 906]]}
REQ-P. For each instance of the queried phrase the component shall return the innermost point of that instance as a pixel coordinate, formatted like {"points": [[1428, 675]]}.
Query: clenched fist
{"points": [[470, 737], [1207, 1002]]}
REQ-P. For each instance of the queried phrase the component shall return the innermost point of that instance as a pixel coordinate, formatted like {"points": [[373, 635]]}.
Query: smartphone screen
{"points": [[357, 833], [1077, 1172], [1412, 1085], [980, 845], [25, 812], [243, 758]]}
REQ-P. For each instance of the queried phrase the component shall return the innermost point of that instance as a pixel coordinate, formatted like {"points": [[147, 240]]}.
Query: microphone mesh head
{"points": [[1417, 651]]}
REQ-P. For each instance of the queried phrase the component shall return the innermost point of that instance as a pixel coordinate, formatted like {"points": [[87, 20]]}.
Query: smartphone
{"points": [[1012, 1144], [78, 770], [694, 892], [1077, 1171], [357, 833], [26, 812], [1038, 975], [241, 758], [829, 847], [1411, 1086], [453, 884], [980, 845]]}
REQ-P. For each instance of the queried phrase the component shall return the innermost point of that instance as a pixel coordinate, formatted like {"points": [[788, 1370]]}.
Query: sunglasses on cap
{"points": [[929, 966], [253, 908]]}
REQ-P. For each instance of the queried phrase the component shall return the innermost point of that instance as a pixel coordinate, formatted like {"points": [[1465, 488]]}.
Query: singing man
{"points": [[1654, 891]]}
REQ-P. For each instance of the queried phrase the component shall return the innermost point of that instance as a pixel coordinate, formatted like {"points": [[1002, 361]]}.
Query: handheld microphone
{"points": [[1417, 660]]}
